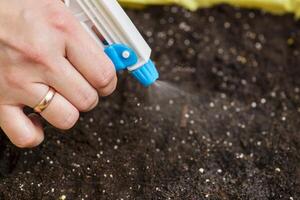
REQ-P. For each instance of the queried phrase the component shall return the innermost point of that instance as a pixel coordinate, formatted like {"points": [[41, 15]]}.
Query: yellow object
{"points": [[274, 6]]}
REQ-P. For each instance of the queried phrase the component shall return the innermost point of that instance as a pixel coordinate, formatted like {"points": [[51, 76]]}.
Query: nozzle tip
{"points": [[146, 74]]}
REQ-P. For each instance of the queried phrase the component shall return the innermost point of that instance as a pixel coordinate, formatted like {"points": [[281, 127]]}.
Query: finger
{"points": [[91, 61], [22, 131], [72, 85], [60, 112], [109, 89]]}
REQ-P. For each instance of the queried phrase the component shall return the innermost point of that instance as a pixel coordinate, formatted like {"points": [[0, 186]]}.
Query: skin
{"points": [[42, 45]]}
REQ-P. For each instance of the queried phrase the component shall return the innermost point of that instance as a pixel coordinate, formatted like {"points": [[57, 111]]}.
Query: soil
{"points": [[223, 124]]}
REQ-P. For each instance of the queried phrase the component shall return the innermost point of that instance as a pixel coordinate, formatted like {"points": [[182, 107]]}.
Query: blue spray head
{"points": [[124, 57], [146, 74]]}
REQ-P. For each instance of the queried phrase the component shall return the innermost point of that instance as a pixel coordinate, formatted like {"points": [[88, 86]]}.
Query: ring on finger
{"points": [[45, 101]]}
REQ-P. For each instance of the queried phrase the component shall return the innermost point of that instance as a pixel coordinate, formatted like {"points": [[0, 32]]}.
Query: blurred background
{"points": [[223, 122]]}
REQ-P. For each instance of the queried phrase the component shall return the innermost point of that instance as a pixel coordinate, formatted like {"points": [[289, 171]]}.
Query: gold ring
{"points": [[46, 101]]}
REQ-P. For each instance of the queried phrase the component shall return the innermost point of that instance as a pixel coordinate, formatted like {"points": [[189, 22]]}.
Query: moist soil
{"points": [[223, 124]]}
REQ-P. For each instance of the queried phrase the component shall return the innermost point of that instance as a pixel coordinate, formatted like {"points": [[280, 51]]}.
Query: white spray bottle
{"points": [[113, 31]]}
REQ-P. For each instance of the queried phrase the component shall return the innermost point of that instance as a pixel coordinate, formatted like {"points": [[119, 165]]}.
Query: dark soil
{"points": [[234, 133]]}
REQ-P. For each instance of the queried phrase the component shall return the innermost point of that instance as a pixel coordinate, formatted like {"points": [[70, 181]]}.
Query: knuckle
{"points": [[60, 19], [13, 80], [88, 100], [106, 77], [34, 54], [69, 120], [33, 49], [109, 89]]}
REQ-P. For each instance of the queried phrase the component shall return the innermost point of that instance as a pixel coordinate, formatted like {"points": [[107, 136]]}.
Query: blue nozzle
{"points": [[124, 57], [146, 74]]}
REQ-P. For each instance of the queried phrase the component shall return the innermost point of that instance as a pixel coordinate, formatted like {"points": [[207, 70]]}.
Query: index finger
{"points": [[90, 60]]}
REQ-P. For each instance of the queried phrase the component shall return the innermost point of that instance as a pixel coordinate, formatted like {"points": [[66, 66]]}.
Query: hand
{"points": [[41, 46]]}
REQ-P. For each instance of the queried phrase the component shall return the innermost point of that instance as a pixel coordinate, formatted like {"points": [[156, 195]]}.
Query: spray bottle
{"points": [[110, 27]]}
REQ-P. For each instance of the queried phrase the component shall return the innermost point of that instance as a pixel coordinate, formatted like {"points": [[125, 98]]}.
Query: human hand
{"points": [[42, 46]]}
